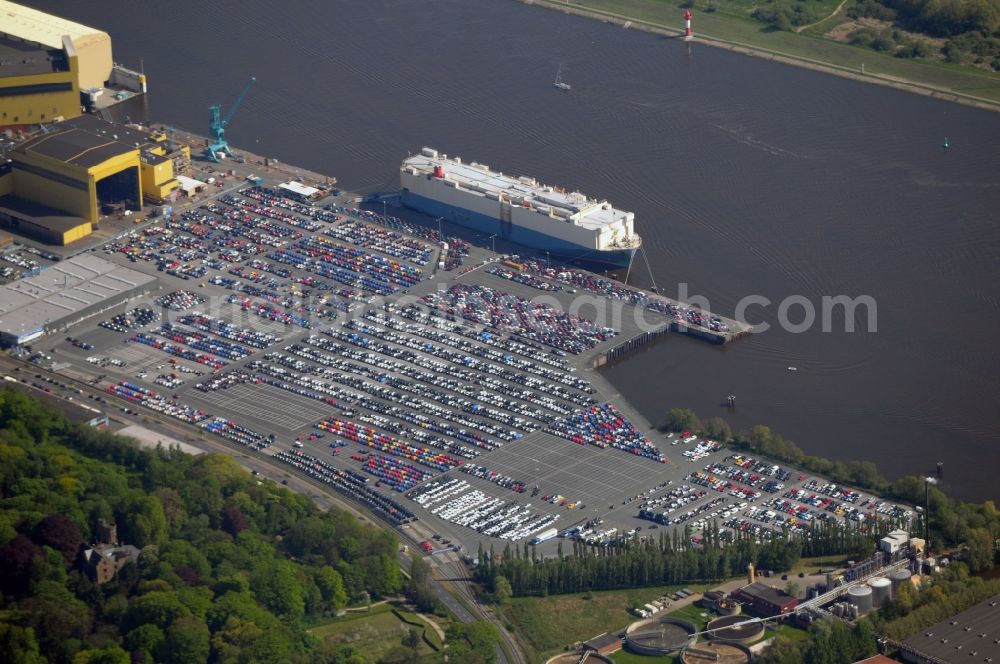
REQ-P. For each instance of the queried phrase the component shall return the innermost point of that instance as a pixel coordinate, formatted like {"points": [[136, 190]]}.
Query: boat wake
{"points": [[750, 141]]}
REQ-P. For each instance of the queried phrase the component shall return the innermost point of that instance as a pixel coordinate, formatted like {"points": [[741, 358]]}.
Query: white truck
{"points": [[544, 536]]}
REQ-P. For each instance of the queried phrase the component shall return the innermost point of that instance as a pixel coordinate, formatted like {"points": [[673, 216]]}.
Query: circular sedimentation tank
{"points": [[861, 597], [716, 653], [728, 607], [574, 658], [735, 629], [659, 636], [881, 591]]}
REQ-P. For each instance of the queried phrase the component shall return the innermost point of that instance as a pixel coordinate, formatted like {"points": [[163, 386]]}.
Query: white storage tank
{"points": [[898, 578], [861, 597], [881, 591]]}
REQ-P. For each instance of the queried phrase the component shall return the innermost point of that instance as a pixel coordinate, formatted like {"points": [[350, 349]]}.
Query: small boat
{"points": [[792, 369], [561, 84]]}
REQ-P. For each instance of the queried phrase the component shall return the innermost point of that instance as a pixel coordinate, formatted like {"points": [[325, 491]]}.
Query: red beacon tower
{"points": [[687, 25]]}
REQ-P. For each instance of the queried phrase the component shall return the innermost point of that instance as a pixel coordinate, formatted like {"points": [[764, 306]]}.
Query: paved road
{"points": [[447, 570]]}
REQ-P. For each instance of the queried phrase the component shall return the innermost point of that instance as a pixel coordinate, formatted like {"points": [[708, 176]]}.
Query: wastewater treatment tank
{"points": [[574, 658], [735, 629], [659, 636], [861, 597], [716, 653]]}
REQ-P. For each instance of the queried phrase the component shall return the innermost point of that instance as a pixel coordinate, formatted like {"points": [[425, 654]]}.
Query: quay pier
{"points": [[626, 347]]}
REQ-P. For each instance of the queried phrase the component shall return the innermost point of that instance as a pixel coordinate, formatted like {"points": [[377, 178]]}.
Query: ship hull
{"points": [[562, 249]]}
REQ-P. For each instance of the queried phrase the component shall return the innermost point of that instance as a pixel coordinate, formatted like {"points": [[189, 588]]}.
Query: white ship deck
{"points": [[584, 212]]}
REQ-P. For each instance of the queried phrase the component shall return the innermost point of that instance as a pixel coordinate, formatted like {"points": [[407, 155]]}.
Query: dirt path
{"points": [[374, 604], [436, 627], [832, 14]]}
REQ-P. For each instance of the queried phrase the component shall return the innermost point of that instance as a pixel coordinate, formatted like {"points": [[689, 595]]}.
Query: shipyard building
{"points": [[66, 293], [59, 183], [50, 66]]}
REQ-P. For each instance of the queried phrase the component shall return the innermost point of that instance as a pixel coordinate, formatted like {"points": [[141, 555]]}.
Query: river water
{"points": [[747, 178]]}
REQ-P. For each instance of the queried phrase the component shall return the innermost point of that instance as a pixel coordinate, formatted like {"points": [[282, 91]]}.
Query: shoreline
{"points": [[766, 54]]}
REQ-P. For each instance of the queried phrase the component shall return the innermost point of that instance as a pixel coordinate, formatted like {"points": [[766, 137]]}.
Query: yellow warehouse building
{"points": [[59, 183]]}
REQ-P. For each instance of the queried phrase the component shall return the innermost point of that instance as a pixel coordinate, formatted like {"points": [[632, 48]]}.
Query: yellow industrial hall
{"points": [[46, 62], [59, 183]]}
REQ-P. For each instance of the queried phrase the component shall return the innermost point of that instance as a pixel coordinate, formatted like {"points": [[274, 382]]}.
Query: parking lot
{"points": [[266, 405], [335, 344]]}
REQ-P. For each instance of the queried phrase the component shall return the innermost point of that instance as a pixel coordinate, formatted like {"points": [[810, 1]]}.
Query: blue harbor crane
{"points": [[218, 125]]}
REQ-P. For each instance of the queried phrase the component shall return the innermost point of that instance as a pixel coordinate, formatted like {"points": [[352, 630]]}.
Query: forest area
{"points": [[224, 568]]}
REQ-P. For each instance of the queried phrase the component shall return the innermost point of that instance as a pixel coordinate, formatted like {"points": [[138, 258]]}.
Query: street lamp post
{"points": [[384, 215], [493, 240], [547, 265], [440, 234]]}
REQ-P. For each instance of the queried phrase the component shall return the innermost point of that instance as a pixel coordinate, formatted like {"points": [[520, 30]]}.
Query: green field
{"points": [[694, 614], [625, 657], [377, 632], [546, 625], [730, 24]]}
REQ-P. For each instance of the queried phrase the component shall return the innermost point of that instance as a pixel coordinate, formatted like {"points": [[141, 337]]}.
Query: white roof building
{"points": [[894, 541], [298, 190]]}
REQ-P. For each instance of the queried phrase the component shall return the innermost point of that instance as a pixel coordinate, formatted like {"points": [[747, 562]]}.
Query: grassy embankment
{"points": [[374, 633], [730, 25]]}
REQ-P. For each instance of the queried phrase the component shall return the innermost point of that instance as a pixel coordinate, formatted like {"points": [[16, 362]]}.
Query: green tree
{"points": [[156, 607], [235, 640], [147, 638], [781, 651], [331, 587], [18, 645], [187, 641], [502, 591], [718, 429], [275, 584], [59, 619], [109, 655], [982, 550], [399, 655], [142, 521], [682, 419]]}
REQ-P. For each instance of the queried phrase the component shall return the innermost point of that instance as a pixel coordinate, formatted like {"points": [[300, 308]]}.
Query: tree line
{"points": [[663, 560]]}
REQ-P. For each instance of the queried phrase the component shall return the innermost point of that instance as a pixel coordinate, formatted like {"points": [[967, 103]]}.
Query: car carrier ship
{"points": [[568, 225]]}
